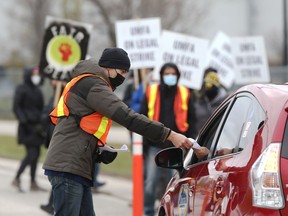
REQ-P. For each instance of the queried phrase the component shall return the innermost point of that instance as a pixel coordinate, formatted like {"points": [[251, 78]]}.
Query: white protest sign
{"points": [[250, 59], [140, 39], [220, 57], [188, 53]]}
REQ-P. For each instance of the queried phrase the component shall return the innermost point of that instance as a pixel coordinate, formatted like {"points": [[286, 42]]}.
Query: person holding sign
{"points": [[172, 105], [210, 96], [83, 118]]}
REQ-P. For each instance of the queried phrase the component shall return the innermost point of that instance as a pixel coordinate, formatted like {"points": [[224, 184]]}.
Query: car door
{"points": [[213, 185], [181, 194], [192, 168], [251, 142]]}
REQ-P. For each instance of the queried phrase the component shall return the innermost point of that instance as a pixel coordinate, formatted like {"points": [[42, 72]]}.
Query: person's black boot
{"points": [[47, 208], [99, 184], [16, 183], [35, 187]]}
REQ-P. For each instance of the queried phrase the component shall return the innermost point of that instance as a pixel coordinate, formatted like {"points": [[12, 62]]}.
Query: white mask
{"points": [[36, 79], [170, 79]]}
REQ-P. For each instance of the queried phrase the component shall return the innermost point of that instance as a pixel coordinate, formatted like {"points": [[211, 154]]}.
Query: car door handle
{"points": [[219, 185], [191, 189], [171, 189]]}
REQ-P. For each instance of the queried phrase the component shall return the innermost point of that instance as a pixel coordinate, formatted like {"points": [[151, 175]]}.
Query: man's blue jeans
{"points": [[71, 198], [153, 174]]}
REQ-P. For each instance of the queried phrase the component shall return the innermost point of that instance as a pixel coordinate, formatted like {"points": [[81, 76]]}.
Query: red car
{"points": [[246, 171]]}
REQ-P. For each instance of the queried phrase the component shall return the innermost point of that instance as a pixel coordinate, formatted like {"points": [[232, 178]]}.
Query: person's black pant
{"points": [[31, 158]]}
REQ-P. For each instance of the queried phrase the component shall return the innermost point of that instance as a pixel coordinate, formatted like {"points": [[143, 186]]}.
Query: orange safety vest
{"points": [[180, 105], [95, 123]]}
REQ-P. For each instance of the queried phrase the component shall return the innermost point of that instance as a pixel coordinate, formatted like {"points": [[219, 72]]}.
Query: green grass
{"points": [[121, 166]]}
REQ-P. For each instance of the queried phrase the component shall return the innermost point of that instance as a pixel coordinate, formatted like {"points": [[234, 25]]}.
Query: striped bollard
{"points": [[137, 174]]}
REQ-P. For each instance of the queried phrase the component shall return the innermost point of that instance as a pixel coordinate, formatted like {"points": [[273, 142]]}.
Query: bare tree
{"points": [[26, 21], [72, 9], [175, 15], [39, 9]]}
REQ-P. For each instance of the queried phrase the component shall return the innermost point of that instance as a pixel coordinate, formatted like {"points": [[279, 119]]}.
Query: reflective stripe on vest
{"points": [[152, 95], [61, 109], [180, 105], [95, 124], [181, 108]]}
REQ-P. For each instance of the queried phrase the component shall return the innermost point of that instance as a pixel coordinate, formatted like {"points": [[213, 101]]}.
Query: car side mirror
{"points": [[171, 158]]}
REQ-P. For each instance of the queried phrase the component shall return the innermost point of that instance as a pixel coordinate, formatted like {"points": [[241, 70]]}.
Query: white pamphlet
{"points": [[195, 144], [123, 148]]}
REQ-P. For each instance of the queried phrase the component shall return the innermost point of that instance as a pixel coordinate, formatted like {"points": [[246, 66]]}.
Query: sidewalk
{"points": [[117, 193]]}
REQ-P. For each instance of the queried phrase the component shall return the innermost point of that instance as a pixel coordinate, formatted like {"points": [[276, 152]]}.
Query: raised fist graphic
{"points": [[65, 50]]}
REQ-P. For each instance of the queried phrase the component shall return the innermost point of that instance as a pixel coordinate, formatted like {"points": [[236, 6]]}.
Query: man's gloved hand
{"points": [[106, 157]]}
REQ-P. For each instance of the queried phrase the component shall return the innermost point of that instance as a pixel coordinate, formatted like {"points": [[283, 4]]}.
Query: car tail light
{"points": [[266, 185]]}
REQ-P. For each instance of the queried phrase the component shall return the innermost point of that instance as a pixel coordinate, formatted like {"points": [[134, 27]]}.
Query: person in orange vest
{"points": [[172, 105], [83, 118]]}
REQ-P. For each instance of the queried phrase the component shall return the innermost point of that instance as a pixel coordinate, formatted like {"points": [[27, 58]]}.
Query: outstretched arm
{"points": [[182, 141]]}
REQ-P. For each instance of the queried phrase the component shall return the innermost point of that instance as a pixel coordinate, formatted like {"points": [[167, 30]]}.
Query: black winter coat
{"points": [[28, 105]]}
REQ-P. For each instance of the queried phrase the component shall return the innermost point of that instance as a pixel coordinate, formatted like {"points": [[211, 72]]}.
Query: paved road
{"points": [[113, 199]]}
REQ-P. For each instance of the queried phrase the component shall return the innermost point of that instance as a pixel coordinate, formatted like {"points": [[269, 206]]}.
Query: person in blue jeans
{"points": [[82, 119], [172, 105], [77, 191]]}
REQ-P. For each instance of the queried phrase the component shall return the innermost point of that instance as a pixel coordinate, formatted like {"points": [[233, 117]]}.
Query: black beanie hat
{"points": [[115, 58]]}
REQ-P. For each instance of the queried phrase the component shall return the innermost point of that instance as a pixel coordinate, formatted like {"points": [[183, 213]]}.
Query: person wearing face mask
{"points": [[83, 118], [211, 95], [172, 105], [28, 104]]}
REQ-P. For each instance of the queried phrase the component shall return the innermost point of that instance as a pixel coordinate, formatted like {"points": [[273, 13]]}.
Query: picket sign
{"points": [[250, 60], [140, 39], [143, 78], [220, 57], [188, 53], [65, 42], [57, 93], [136, 78]]}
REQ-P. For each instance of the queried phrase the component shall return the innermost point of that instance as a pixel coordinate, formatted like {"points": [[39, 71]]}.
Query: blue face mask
{"points": [[170, 79]]}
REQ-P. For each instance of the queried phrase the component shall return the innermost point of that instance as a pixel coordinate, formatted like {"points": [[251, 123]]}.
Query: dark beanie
{"points": [[114, 58]]}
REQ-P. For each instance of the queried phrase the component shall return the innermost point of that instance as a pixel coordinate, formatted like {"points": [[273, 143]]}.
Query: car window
{"points": [[206, 137], [230, 133], [255, 119], [240, 127]]}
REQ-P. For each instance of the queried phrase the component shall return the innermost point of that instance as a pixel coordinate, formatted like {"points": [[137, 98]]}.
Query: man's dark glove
{"points": [[105, 155]]}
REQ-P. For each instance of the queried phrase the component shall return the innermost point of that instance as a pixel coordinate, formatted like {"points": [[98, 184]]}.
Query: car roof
{"points": [[273, 98], [269, 95]]}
